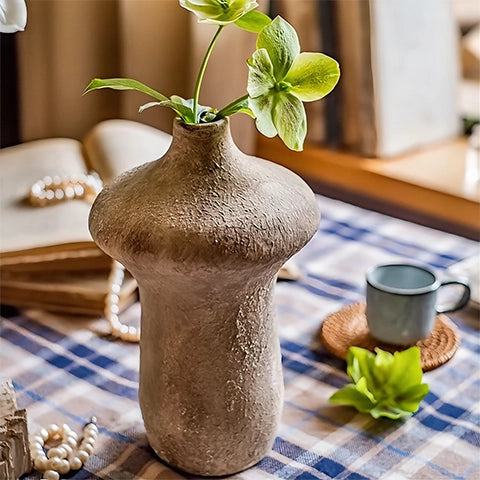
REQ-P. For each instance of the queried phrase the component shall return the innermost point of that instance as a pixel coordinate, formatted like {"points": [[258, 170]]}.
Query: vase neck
{"points": [[205, 143], [202, 132]]}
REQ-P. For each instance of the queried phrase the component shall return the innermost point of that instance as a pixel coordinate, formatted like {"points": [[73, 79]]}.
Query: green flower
{"points": [[219, 12], [280, 78], [384, 385]]}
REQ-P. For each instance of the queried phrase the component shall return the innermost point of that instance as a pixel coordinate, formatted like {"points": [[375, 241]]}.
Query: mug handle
{"points": [[452, 307]]}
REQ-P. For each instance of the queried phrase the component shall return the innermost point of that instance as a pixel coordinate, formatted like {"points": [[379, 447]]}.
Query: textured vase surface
{"points": [[204, 230]]}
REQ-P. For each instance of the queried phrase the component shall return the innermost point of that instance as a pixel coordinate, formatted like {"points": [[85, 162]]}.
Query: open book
{"points": [[47, 257]]}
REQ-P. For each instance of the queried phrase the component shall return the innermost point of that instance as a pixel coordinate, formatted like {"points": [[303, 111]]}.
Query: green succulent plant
{"points": [[280, 77], [385, 384]]}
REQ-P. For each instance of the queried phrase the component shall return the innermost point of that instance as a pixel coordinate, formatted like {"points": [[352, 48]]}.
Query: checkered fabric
{"points": [[65, 370]]}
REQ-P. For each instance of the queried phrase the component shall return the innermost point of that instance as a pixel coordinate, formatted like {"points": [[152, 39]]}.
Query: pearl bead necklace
{"points": [[55, 189], [117, 328], [67, 455]]}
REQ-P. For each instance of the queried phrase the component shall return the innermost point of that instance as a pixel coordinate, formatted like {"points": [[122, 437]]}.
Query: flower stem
{"points": [[201, 72]]}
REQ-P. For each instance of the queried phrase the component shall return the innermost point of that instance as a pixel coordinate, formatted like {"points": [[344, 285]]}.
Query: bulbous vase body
{"points": [[204, 230]]}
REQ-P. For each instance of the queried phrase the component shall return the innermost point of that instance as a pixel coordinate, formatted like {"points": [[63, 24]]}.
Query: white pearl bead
{"points": [[71, 441], [40, 463], [114, 321], [91, 434], [53, 428], [38, 439], [91, 427], [36, 446], [113, 298], [51, 475], [64, 467], [66, 429], [54, 463], [57, 452], [87, 447], [44, 434], [83, 455], [72, 434], [87, 441], [67, 449], [75, 463], [37, 451]]}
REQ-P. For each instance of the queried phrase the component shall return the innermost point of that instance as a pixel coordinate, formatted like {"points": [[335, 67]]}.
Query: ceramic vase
{"points": [[204, 230]]}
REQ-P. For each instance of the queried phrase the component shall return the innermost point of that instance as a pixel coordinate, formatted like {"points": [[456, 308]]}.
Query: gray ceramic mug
{"points": [[402, 302]]}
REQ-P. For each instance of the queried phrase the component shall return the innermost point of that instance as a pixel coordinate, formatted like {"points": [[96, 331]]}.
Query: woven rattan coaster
{"points": [[348, 327]]}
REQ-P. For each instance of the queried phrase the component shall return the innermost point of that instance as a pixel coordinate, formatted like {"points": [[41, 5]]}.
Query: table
{"points": [[65, 370]]}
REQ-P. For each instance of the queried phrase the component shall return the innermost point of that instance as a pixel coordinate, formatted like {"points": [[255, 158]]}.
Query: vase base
{"points": [[217, 471]]}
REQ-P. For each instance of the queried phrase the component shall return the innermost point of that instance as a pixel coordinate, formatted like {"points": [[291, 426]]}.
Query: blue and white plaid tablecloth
{"points": [[64, 371]]}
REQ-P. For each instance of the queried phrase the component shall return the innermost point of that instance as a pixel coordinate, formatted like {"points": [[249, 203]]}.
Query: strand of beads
{"points": [[67, 454], [55, 189], [112, 309]]}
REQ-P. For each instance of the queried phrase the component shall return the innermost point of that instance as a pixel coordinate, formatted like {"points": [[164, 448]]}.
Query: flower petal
{"points": [[312, 76], [290, 120], [260, 74], [13, 16], [262, 108], [281, 42], [219, 12], [253, 21]]}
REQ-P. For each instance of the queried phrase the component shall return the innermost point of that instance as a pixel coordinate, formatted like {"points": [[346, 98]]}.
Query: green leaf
{"points": [[349, 395], [410, 399], [262, 108], [144, 107], [391, 383], [280, 40], [382, 367], [185, 113], [184, 108], [123, 84], [312, 76], [290, 120], [362, 387], [388, 411], [406, 371], [253, 21], [360, 363], [235, 107]]}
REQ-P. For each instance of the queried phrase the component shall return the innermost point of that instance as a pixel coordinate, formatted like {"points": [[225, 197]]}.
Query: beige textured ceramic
{"points": [[204, 230]]}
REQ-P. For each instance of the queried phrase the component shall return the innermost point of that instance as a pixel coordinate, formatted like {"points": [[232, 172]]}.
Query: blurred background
{"points": [[417, 56]]}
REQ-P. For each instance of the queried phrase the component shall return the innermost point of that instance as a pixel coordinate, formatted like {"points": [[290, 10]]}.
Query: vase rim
{"points": [[220, 121]]}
